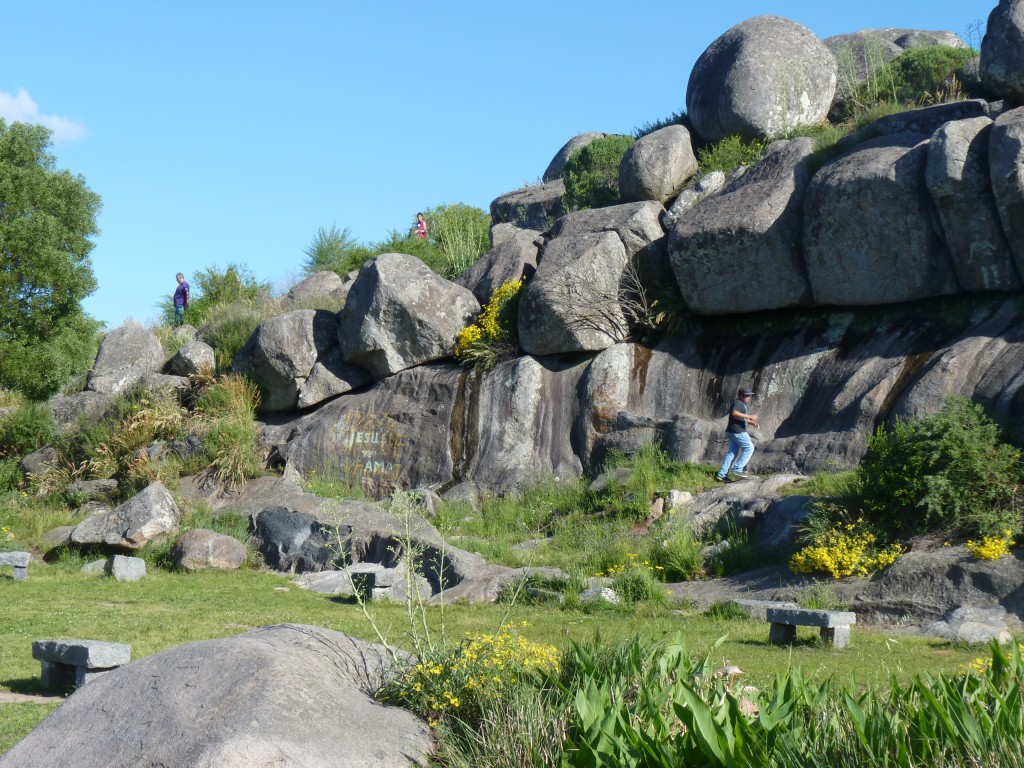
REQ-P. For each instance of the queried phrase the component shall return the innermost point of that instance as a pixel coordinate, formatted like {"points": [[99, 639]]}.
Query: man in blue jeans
{"points": [[739, 440]]}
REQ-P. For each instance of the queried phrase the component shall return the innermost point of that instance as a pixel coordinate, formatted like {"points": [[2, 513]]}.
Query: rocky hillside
{"points": [[847, 287]]}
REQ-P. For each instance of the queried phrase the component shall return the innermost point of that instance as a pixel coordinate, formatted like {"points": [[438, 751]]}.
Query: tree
{"points": [[47, 218]]}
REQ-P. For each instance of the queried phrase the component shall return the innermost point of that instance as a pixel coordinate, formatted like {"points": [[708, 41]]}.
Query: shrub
{"points": [[849, 550], [729, 154], [945, 471], [991, 547], [592, 173], [676, 118], [27, 429], [493, 337], [924, 75]]}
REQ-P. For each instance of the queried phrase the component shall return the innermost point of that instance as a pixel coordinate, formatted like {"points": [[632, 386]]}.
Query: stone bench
{"points": [[20, 562], [67, 662], [834, 625]]}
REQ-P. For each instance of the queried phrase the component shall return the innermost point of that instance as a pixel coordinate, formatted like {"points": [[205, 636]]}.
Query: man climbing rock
{"points": [[739, 440]]}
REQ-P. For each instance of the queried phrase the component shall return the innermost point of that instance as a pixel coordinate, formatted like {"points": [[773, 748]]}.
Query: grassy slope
{"points": [[167, 609]]}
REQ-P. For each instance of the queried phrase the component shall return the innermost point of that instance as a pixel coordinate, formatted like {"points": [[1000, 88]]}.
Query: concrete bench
{"points": [[20, 562], [67, 662], [834, 625]]}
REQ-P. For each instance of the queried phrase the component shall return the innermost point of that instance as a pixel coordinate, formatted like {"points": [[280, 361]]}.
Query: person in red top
{"points": [[421, 227]]}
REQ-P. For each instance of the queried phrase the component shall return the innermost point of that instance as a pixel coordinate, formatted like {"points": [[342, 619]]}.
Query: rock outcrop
{"points": [[957, 177], [280, 355]]}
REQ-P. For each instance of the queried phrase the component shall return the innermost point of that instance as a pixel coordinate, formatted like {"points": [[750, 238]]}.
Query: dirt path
{"points": [[6, 697]]}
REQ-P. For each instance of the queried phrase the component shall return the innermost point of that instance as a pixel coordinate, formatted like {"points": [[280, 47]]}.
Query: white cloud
{"points": [[23, 109]]}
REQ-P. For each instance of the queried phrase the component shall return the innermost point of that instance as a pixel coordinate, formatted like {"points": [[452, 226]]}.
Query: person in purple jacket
{"points": [[181, 299]]}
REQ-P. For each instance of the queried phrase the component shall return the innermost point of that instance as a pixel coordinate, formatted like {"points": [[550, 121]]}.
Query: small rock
{"points": [[124, 568], [596, 594]]}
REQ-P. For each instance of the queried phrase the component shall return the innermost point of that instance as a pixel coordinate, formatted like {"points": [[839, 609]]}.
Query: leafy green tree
{"points": [[335, 250], [47, 218]]}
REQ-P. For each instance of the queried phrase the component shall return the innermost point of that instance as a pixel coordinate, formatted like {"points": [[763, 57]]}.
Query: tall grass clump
{"points": [[227, 414], [462, 234]]}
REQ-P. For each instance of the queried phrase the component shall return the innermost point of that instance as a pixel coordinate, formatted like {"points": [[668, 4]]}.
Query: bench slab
{"points": [[20, 562], [64, 661], [805, 617], [834, 625]]}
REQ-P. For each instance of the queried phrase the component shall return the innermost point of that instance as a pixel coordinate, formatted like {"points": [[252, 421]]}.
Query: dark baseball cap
{"points": [[746, 392]]}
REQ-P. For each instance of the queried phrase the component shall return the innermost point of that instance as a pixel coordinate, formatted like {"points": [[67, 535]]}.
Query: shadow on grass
{"points": [[32, 686]]}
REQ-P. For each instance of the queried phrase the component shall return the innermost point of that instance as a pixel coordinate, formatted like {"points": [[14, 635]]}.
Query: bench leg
{"points": [[20, 573], [781, 634], [838, 637], [56, 675]]}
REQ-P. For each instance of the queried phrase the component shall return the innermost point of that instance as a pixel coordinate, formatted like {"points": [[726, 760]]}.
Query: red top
{"points": [[421, 229]]}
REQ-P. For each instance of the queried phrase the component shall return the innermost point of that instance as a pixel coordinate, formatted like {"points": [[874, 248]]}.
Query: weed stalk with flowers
{"points": [[6, 538], [991, 547], [847, 549], [462, 681], [492, 338]]}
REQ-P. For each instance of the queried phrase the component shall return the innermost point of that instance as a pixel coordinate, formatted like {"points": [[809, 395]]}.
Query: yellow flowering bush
{"points": [[845, 550], [482, 668], [981, 666], [6, 537], [991, 547], [493, 336]]}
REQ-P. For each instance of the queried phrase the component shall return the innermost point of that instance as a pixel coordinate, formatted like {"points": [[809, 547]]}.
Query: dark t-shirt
{"points": [[737, 425], [180, 293]]}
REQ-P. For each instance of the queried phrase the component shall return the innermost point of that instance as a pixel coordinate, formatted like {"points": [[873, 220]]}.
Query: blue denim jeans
{"points": [[739, 443]]}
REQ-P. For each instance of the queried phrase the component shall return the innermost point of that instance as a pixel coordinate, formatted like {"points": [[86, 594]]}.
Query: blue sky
{"points": [[220, 132]]}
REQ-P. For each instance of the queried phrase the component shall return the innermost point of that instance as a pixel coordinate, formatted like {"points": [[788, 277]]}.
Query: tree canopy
{"points": [[47, 218]]}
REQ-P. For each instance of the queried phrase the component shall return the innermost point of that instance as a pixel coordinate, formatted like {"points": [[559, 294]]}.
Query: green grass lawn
{"points": [[167, 609]]}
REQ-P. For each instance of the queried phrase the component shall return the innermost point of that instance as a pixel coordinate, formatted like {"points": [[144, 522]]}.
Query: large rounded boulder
{"points": [[658, 165], [762, 77], [1002, 51], [400, 314], [286, 695], [126, 356]]}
